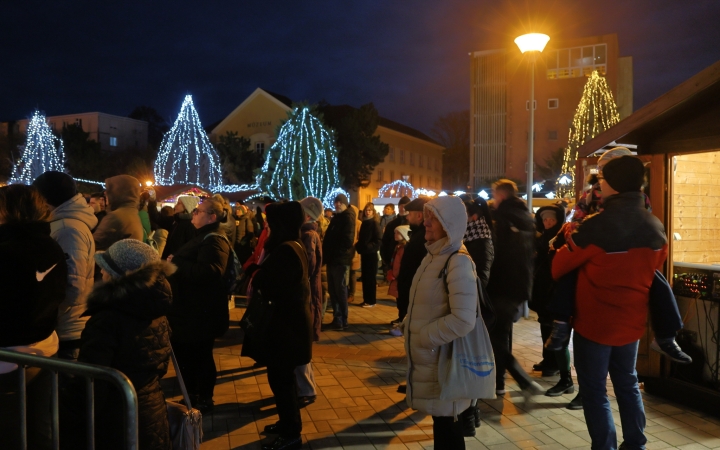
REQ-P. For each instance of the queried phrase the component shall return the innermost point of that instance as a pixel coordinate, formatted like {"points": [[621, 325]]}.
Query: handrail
{"points": [[89, 371]]}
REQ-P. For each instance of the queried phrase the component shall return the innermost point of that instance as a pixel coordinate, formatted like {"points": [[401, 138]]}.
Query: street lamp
{"points": [[532, 42]]}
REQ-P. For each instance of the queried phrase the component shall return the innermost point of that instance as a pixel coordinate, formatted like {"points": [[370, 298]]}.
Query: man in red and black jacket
{"points": [[616, 253]]}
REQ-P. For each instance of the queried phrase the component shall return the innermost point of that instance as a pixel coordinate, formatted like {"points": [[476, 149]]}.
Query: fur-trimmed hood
{"points": [[143, 293]]}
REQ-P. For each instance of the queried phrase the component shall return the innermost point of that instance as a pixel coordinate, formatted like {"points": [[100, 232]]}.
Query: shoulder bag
{"points": [[185, 423]]}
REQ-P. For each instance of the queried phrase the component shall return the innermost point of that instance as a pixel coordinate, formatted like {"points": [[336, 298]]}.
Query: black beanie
{"points": [[624, 174], [56, 187], [342, 198]]}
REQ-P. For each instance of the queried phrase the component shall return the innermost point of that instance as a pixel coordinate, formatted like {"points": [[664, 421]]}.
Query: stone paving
{"points": [[357, 373]]}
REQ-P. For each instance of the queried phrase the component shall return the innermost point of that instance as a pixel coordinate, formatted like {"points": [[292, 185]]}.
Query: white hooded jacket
{"points": [[70, 225], [435, 318]]}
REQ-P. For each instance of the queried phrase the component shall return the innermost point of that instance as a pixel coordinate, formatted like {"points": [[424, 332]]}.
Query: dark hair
{"points": [[217, 208], [480, 207], [507, 186], [97, 195], [20, 204], [167, 211]]}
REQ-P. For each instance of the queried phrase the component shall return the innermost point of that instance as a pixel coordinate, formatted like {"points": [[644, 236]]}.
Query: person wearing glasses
{"points": [[199, 312]]}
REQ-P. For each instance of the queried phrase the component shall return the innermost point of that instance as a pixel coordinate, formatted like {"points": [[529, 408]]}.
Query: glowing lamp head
{"points": [[148, 183], [532, 42]]}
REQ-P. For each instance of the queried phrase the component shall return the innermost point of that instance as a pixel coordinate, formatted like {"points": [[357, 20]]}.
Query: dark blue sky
{"points": [[408, 57]]}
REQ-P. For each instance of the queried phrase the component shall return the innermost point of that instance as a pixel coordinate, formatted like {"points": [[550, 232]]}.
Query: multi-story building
{"points": [[412, 153], [500, 101]]}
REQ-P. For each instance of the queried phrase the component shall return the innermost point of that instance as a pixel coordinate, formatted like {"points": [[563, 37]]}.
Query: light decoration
{"points": [[422, 192], [186, 155], [42, 152], [303, 160], [329, 200], [442, 194], [550, 195], [397, 188], [595, 113], [537, 187], [484, 195], [90, 182], [458, 193], [524, 196]]}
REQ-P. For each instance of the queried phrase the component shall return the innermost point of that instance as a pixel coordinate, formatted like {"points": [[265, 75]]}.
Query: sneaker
{"points": [[576, 403], [500, 392], [558, 336], [671, 349], [395, 331], [367, 305]]}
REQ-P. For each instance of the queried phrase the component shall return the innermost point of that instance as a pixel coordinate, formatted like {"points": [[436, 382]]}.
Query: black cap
{"points": [[404, 200], [624, 174], [56, 187], [416, 205]]}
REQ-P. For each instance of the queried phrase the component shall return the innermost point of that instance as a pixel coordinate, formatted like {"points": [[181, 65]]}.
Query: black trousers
{"points": [[197, 366], [548, 360], [501, 340], [448, 434], [369, 267], [284, 388]]}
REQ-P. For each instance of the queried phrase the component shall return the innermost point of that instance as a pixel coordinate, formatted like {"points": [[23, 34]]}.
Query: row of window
{"points": [[552, 103], [576, 61], [422, 180], [422, 160]]}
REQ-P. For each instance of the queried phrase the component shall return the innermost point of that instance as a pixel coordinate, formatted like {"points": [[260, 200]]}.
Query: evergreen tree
{"points": [[238, 161], [43, 152], [85, 158], [595, 113], [186, 155], [303, 160]]}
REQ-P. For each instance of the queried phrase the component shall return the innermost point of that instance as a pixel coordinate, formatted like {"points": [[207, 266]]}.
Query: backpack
{"points": [[486, 309], [234, 271]]}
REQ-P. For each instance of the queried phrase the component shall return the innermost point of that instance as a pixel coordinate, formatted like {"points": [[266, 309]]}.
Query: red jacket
{"points": [[616, 252]]}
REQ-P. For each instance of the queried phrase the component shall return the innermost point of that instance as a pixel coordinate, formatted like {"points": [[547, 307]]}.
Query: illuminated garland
{"points": [[595, 113], [43, 151], [186, 155], [303, 160], [397, 188], [329, 200]]}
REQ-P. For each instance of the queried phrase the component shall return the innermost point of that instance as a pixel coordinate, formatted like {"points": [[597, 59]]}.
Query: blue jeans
{"points": [[593, 361], [337, 275]]}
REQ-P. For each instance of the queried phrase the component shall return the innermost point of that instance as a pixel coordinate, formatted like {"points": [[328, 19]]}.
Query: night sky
{"points": [[408, 57]]}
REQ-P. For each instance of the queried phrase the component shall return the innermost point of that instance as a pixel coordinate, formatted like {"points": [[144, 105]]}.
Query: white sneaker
{"points": [[367, 305], [500, 392]]}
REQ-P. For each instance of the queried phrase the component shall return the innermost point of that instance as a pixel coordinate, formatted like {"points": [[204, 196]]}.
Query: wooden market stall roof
{"points": [[684, 119]]}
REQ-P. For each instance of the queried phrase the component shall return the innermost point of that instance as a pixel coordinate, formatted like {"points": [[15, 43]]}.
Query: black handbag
{"points": [[256, 325]]}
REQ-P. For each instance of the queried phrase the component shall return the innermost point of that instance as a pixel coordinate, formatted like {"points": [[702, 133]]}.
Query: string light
{"points": [[43, 151], [90, 182], [550, 195], [397, 188], [303, 160], [484, 195], [442, 194], [186, 155], [329, 200], [595, 113], [425, 192], [537, 187], [458, 193]]}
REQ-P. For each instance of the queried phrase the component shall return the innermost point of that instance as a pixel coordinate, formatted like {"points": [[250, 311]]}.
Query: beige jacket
{"points": [[435, 318]]}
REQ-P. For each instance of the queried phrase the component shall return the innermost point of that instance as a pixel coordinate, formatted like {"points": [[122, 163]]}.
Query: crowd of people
{"points": [[115, 281]]}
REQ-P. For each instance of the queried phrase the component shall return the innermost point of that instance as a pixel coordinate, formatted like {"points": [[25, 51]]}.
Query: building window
{"points": [[420, 181], [576, 61], [260, 147], [527, 105], [78, 122], [553, 103], [412, 158], [420, 161], [552, 135], [391, 155], [392, 176], [379, 175], [113, 141], [402, 156]]}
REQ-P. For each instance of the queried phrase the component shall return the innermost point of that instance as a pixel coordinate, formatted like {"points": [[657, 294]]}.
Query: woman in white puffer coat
{"points": [[436, 318]]}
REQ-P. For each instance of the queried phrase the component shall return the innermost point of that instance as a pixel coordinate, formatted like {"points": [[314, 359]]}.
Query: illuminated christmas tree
{"points": [[186, 155], [303, 160], [595, 113], [43, 151]]}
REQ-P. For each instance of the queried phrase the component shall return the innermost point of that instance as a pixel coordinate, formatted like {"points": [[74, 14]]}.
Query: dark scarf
{"points": [[477, 229]]}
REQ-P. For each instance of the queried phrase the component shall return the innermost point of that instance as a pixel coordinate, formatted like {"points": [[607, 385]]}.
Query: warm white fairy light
{"points": [[564, 180], [422, 192], [90, 182], [397, 188], [458, 193], [43, 151], [442, 194], [186, 155]]}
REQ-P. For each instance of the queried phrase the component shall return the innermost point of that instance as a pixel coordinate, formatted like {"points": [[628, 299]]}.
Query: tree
{"points": [[42, 152], [552, 169], [303, 161], [595, 113], [239, 163], [10, 151], [359, 150], [85, 157], [452, 131], [157, 125]]}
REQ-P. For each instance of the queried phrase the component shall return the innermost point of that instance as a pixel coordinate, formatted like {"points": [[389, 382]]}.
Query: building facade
{"points": [[500, 101]]}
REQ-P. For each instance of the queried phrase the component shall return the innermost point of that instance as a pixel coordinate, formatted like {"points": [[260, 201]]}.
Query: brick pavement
{"points": [[357, 372]]}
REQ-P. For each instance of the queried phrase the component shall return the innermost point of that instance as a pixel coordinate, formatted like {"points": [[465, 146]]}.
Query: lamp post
{"points": [[532, 42]]}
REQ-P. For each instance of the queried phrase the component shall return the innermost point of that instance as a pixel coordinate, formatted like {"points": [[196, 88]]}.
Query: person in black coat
{"points": [[367, 246], [182, 230], [199, 312], [478, 237], [282, 278], [33, 274], [127, 331], [387, 247], [338, 252], [413, 255]]}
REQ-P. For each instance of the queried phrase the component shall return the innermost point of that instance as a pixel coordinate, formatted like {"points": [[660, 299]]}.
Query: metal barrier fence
{"points": [[90, 372]]}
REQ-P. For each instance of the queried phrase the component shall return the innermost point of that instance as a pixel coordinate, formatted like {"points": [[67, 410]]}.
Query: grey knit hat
{"points": [[313, 207], [126, 256]]}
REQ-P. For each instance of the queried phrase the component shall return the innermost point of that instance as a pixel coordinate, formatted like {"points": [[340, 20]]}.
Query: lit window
{"points": [[553, 103], [527, 105], [576, 62], [113, 141]]}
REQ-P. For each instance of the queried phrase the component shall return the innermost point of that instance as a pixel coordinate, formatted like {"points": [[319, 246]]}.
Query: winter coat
{"points": [[145, 222], [617, 252], [395, 270], [313, 248], [386, 219], [229, 227], [369, 238], [356, 261], [199, 310], [543, 284], [245, 228], [160, 237], [283, 279], [70, 225], [512, 269], [478, 241], [123, 220], [387, 247], [128, 331], [436, 318], [182, 232], [339, 237], [413, 255], [33, 276]]}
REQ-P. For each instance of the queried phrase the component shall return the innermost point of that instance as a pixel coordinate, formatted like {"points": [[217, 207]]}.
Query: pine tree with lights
{"points": [[186, 155], [303, 160], [43, 151], [595, 113]]}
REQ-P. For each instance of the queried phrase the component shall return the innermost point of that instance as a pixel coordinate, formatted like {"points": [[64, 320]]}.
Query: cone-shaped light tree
{"points": [[303, 160], [43, 151], [595, 113], [186, 155]]}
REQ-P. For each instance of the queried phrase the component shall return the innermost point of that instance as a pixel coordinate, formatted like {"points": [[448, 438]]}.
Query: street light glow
{"points": [[532, 42]]}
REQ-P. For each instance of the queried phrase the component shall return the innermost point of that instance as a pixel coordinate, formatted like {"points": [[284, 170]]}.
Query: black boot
{"points": [[564, 386], [559, 335], [467, 419], [477, 416]]}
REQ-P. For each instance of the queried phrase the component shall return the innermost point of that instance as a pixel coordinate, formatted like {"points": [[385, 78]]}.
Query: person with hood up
{"points": [[367, 246], [182, 230], [199, 312], [71, 223], [123, 220], [282, 278], [439, 314], [164, 225]]}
